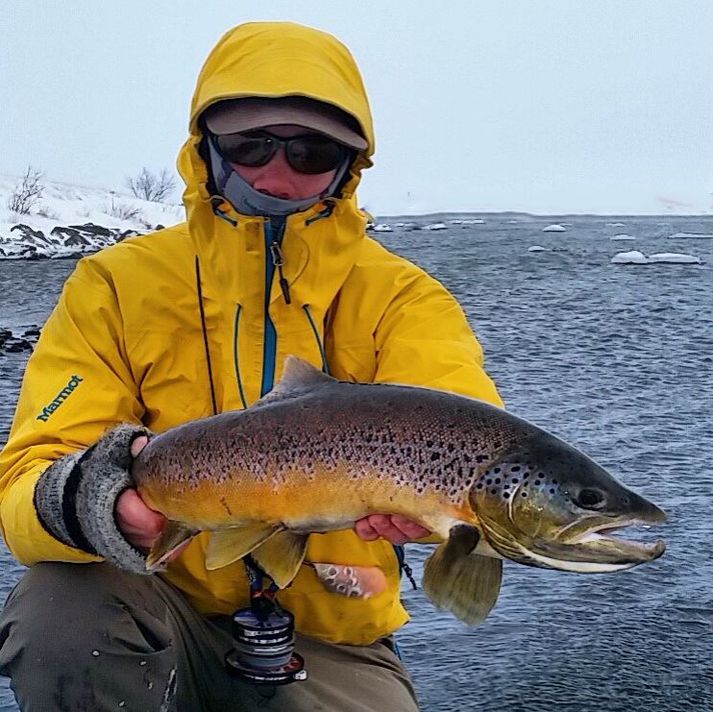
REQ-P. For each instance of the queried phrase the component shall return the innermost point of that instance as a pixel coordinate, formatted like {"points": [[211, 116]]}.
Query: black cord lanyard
{"points": [[262, 599]]}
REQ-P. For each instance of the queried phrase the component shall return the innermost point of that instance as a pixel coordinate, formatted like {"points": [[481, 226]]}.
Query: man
{"points": [[194, 320]]}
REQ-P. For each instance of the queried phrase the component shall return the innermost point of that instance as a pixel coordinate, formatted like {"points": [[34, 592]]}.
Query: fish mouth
{"points": [[605, 539], [593, 548], [596, 547]]}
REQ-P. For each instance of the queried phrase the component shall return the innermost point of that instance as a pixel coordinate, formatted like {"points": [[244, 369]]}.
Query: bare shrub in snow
{"points": [[150, 186], [46, 212], [27, 192], [124, 211]]}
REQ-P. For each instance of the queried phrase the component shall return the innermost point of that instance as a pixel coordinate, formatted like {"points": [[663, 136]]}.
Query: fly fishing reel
{"points": [[263, 648], [264, 637]]}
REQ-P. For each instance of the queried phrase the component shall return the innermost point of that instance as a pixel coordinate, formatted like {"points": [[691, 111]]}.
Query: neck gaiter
{"points": [[248, 201]]}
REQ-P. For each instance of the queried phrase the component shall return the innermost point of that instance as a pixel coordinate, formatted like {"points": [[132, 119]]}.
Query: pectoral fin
{"points": [[461, 581], [171, 538], [229, 545], [281, 556]]}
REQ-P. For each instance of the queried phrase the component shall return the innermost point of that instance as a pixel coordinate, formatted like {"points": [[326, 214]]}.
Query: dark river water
{"points": [[614, 358]]}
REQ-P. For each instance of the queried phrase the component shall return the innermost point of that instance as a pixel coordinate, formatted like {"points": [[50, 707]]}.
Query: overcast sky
{"points": [[540, 105]]}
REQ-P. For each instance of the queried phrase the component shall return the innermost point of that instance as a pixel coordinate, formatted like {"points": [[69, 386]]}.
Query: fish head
{"points": [[544, 503]]}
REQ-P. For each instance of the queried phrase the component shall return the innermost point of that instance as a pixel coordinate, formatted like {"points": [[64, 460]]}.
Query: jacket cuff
{"points": [[76, 496], [54, 501], [105, 474]]}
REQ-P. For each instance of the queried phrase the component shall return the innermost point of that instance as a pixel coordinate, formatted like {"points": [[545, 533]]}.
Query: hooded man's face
{"points": [[278, 178]]}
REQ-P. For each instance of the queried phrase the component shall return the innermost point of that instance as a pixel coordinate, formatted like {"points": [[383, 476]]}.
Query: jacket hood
{"points": [[270, 60]]}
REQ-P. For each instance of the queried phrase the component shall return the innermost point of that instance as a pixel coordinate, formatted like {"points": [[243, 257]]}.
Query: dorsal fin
{"points": [[298, 377], [299, 374]]}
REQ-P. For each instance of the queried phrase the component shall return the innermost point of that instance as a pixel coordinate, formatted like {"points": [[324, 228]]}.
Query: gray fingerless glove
{"points": [[75, 498]]}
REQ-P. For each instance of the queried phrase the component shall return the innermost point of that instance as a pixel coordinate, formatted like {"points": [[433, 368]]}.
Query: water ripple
{"points": [[615, 358]]}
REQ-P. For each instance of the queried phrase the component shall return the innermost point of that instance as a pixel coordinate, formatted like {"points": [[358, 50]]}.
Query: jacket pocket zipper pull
{"points": [[278, 261]]}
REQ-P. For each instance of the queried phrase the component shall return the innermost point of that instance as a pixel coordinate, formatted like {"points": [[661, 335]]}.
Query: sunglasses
{"points": [[308, 153]]}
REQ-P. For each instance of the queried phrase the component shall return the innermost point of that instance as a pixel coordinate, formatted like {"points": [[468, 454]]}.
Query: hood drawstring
{"points": [[236, 351], [320, 344], [236, 356], [199, 290]]}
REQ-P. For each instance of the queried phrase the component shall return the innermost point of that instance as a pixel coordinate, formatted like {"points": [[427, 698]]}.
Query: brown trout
{"points": [[317, 454]]}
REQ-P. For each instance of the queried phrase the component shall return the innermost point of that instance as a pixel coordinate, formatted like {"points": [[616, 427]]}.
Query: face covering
{"points": [[248, 201]]}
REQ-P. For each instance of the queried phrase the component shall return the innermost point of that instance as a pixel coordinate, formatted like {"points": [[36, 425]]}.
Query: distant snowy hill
{"points": [[70, 220]]}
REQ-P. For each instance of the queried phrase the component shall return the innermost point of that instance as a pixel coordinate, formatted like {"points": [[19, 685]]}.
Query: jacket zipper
{"points": [[274, 233], [273, 242], [278, 261]]}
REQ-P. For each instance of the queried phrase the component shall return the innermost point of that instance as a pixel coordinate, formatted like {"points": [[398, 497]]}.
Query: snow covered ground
{"points": [[70, 220]]}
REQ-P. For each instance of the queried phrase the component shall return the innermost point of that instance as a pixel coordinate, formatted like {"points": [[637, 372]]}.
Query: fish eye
{"points": [[589, 498]]}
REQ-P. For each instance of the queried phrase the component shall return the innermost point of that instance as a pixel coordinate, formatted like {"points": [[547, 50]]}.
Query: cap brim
{"points": [[248, 114]]}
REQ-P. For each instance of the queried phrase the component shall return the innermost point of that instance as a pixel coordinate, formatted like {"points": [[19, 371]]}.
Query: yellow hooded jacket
{"points": [[172, 326]]}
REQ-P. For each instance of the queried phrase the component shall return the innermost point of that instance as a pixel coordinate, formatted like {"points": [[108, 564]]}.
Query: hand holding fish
{"points": [[394, 528], [138, 523]]}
